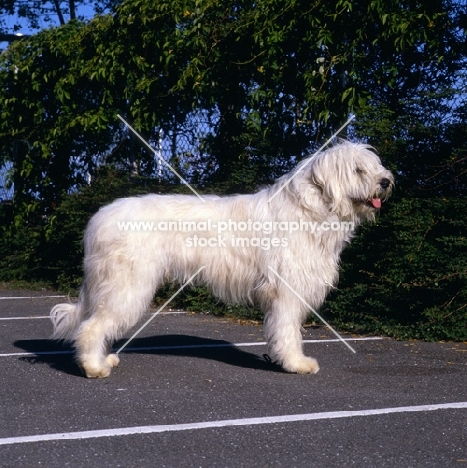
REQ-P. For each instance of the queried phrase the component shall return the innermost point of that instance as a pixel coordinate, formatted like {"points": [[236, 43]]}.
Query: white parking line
{"points": [[226, 423], [25, 318], [32, 317], [206, 345], [4, 298]]}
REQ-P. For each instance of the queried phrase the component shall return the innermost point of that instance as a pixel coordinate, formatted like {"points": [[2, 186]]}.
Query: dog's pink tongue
{"points": [[376, 202]]}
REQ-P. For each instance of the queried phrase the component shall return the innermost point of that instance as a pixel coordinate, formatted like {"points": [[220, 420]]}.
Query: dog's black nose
{"points": [[385, 183]]}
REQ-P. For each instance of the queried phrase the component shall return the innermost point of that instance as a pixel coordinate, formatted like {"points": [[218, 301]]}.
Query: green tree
{"points": [[279, 76]]}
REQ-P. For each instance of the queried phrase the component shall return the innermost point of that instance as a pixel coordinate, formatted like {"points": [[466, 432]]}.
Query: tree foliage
{"points": [[280, 76]]}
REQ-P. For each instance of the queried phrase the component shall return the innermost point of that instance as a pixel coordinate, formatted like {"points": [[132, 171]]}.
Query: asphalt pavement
{"points": [[193, 390]]}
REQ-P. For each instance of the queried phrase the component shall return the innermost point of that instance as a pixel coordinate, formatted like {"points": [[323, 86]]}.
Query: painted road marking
{"points": [[32, 317], [3, 298], [174, 347], [226, 423], [25, 318]]}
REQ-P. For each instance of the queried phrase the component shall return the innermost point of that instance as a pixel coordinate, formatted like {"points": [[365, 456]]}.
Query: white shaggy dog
{"points": [[254, 249]]}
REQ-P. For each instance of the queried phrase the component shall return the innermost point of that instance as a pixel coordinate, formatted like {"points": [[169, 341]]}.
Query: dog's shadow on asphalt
{"points": [[60, 357]]}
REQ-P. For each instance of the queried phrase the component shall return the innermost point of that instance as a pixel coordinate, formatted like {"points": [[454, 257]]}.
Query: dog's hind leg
{"points": [[92, 348], [282, 329], [112, 314]]}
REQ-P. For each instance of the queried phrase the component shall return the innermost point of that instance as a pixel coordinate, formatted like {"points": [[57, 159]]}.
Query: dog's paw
{"points": [[94, 371], [303, 365], [97, 372], [112, 360]]}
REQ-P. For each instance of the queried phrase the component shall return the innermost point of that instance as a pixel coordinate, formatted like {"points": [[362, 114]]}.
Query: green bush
{"points": [[48, 248], [19, 244], [406, 276]]}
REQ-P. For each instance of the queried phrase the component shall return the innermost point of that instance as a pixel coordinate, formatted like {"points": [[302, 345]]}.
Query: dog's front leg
{"points": [[282, 328]]}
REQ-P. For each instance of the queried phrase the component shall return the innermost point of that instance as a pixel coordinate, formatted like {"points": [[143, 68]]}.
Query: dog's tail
{"points": [[66, 319]]}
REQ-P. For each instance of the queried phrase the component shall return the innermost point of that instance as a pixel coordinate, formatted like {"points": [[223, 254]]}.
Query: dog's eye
{"points": [[359, 171]]}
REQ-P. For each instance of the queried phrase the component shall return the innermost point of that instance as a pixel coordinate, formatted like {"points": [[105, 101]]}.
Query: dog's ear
{"points": [[331, 192], [317, 176]]}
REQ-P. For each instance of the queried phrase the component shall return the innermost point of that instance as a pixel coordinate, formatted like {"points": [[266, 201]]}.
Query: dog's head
{"points": [[350, 179]]}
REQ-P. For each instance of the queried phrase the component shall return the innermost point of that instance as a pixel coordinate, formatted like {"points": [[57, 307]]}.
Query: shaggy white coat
{"points": [[123, 269]]}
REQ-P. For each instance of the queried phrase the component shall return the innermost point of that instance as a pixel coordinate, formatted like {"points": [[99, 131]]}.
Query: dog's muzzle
{"points": [[375, 203]]}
